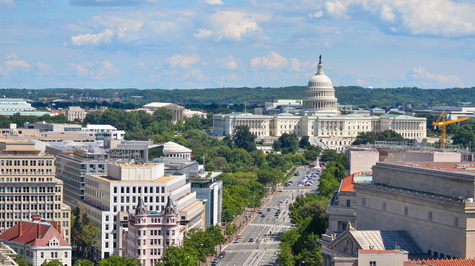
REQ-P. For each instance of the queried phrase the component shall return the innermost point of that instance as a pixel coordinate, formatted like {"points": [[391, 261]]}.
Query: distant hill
{"points": [[367, 98]]}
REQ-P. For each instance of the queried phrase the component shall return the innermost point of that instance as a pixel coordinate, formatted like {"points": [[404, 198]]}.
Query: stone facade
{"points": [[320, 118], [433, 202]]}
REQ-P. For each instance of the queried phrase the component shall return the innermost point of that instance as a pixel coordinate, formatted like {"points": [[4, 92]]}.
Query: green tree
{"points": [[21, 261], [287, 143], [179, 256], [119, 261], [163, 114], [52, 263], [244, 139], [304, 142], [83, 262]]}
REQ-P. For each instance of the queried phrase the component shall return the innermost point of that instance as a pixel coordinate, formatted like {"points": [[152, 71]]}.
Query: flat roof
{"points": [[451, 167], [372, 251], [162, 179]]}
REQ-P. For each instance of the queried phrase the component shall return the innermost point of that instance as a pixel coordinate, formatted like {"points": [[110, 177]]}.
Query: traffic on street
{"points": [[258, 242]]}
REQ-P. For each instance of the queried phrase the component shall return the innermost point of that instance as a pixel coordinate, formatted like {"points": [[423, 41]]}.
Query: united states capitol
{"points": [[317, 115]]}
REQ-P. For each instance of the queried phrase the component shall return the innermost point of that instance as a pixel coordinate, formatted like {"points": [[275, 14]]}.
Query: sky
{"points": [[184, 44]]}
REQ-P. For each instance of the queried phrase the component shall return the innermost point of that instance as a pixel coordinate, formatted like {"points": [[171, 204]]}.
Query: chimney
{"points": [[38, 228], [36, 218]]}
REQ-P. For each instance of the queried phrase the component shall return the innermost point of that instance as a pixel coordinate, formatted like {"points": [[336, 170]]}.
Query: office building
{"points": [[28, 187], [109, 197]]}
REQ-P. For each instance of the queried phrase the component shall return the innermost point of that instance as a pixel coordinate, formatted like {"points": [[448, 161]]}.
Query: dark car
{"points": [[251, 239], [222, 254], [269, 209], [263, 215]]}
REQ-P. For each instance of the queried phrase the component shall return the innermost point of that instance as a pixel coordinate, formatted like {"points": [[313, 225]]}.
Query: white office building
{"points": [[109, 197]]}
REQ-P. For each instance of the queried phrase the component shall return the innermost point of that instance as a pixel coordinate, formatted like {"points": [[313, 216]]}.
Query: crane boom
{"points": [[443, 129]]}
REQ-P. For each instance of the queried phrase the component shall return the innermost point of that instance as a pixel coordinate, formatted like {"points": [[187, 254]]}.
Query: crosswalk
{"points": [[273, 225]]}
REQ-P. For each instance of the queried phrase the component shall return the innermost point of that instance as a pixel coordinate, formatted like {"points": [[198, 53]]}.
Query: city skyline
{"points": [[217, 43]]}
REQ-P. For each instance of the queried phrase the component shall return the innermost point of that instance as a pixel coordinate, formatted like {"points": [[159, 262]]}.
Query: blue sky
{"points": [[183, 44]]}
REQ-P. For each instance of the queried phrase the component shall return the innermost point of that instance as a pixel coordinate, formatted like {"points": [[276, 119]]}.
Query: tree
{"points": [[287, 143], [21, 261], [304, 143], [244, 139], [52, 263], [89, 236], [119, 261], [179, 256], [83, 262]]}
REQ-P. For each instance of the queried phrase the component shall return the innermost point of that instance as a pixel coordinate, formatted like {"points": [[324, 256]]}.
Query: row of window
{"points": [[10, 171], [153, 242], [139, 190], [30, 189], [29, 198], [26, 207], [26, 179], [127, 199], [26, 162], [27, 216]]}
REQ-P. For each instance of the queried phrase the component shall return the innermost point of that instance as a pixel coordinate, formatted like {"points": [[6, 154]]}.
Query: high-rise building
{"points": [[109, 197], [75, 160], [28, 186]]}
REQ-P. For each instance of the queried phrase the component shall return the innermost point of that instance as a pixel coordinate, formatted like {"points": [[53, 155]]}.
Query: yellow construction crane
{"points": [[443, 123]]}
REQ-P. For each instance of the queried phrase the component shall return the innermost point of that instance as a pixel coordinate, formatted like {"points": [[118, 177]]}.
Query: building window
{"points": [[348, 203], [372, 263]]}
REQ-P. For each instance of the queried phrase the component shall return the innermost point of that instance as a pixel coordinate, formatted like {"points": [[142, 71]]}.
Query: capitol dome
{"points": [[320, 95]]}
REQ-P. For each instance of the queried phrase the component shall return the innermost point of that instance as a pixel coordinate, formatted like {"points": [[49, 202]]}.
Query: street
{"points": [[266, 228]]}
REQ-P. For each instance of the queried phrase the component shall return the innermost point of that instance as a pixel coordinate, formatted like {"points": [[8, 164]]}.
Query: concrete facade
{"points": [[109, 197], [28, 186], [433, 202]]}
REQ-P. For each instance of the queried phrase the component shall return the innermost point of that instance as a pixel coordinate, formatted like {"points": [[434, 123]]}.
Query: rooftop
{"points": [[442, 262], [458, 167]]}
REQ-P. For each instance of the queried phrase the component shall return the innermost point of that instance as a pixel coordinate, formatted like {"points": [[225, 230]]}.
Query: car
{"points": [[280, 201], [263, 215], [260, 211], [276, 214], [269, 209], [251, 239], [236, 240], [281, 189], [222, 254], [239, 237]]}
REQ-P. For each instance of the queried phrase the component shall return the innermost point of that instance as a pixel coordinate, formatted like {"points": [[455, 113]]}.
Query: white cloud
{"points": [[203, 33], [197, 74], [272, 60], [317, 14], [436, 17], [230, 25], [182, 60], [95, 70], [229, 62], [337, 8], [420, 74], [43, 69], [93, 39], [212, 2], [16, 63], [387, 13]]}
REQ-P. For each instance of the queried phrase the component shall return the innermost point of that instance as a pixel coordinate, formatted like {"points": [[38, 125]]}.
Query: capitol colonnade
{"points": [[320, 119]]}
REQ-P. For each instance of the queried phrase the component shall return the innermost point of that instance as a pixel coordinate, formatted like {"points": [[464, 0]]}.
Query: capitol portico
{"points": [[320, 119]]}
